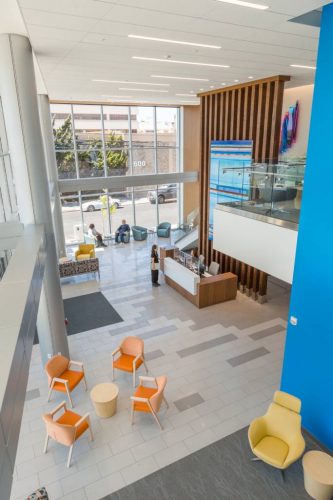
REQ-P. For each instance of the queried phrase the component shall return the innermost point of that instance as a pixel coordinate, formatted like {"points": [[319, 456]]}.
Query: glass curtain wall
{"points": [[104, 141], [107, 210]]}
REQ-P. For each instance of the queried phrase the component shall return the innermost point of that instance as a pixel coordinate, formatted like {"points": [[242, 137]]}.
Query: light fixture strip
{"points": [[303, 66], [186, 95], [133, 83], [251, 5], [179, 42], [181, 78], [143, 90], [180, 62]]}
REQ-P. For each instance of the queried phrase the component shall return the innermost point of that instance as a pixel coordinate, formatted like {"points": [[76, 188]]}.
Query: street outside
{"points": [[145, 216]]}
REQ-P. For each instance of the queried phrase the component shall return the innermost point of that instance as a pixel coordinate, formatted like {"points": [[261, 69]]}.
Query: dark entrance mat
{"points": [[221, 471], [88, 312]]}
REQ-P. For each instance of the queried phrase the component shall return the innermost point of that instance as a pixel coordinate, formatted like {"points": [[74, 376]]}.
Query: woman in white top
{"points": [[93, 233]]}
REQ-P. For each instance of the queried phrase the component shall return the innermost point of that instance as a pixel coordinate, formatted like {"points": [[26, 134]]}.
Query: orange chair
{"points": [[149, 399], [131, 356], [67, 428], [61, 378]]}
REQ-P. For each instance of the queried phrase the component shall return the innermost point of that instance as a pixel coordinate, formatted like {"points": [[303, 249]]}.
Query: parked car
{"points": [[165, 192], [92, 205]]}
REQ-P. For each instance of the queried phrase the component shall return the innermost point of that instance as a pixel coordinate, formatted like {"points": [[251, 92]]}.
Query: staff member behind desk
{"points": [[154, 265], [121, 231], [93, 233]]}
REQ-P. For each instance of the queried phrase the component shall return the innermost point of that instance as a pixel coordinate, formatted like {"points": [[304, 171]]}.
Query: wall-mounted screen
{"points": [[229, 179]]}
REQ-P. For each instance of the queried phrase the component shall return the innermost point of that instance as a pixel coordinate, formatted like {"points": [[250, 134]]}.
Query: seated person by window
{"points": [[122, 231], [93, 233]]}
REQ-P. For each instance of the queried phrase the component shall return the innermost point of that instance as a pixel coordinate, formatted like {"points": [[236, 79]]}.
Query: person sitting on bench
{"points": [[93, 233], [122, 230]]}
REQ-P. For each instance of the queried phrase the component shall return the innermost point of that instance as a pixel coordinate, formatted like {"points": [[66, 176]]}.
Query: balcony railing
{"points": [[268, 190]]}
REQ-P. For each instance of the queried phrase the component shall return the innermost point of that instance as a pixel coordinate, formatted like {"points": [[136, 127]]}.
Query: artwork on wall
{"points": [[229, 181], [289, 128]]}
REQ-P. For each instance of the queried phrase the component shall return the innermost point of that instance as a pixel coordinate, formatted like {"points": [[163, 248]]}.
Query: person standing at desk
{"points": [[154, 265]]}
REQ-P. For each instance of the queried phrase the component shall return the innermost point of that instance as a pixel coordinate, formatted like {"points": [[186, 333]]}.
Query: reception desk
{"points": [[202, 292]]}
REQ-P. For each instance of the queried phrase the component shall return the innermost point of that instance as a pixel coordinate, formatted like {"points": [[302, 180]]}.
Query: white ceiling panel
{"points": [[78, 41]]}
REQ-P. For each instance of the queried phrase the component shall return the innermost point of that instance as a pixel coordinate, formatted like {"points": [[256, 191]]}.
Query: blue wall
{"points": [[308, 362]]}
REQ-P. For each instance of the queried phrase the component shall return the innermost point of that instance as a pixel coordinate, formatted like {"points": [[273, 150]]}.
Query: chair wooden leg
{"points": [[46, 443], [255, 459], [165, 401], [85, 382], [69, 397], [90, 430], [70, 456], [49, 394], [157, 420], [134, 381], [132, 413]]}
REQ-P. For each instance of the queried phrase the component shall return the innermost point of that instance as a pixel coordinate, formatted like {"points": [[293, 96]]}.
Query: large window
{"points": [[103, 141]]}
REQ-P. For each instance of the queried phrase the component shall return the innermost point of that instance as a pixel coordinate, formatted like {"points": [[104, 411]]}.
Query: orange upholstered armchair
{"points": [[131, 356], [149, 399], [86, 251], [67, 428], [61, 378]]}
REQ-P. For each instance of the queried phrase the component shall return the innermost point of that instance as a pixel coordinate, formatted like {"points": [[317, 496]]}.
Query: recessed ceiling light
{"points": [[201, 89], [118, 96], [181, 78], [236, 81], [143, 90], [133, 83], [185, 95], [302, 66], [223, 83], [167, 40], [246, 4], [211, 87], [250, 77], [180, 62]]}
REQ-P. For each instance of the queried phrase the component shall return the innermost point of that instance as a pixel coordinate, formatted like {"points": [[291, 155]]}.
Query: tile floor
{"points": [[223, 364]]}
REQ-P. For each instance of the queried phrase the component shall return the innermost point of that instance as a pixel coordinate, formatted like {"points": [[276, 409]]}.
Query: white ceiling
{"points": [[76, 41]]}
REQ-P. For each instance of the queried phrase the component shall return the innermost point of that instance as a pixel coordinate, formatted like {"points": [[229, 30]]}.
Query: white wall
{"points": [[304, 96], [264, 246]]}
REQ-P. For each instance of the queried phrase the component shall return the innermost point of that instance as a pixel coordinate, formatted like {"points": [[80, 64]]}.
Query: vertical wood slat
{"points": [[248, 111]]}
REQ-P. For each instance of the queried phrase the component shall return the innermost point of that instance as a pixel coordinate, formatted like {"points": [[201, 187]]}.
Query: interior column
{"points": [[20, 107]]}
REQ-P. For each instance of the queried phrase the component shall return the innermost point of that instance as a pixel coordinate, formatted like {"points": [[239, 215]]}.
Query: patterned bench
{"points": [[75, 267]]}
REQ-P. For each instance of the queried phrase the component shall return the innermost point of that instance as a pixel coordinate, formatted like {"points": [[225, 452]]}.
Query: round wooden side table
{"points": [[104, 397], [318, 474]]}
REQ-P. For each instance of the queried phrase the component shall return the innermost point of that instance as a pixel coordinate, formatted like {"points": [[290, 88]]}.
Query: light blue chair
{"points": [[163, 230], [89, 240], [139, 233]]}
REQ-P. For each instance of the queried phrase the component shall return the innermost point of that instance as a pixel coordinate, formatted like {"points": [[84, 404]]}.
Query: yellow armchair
{"points": [[276, 437], [86, 251]]}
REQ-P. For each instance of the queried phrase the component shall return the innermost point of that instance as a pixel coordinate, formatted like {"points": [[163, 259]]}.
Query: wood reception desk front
{"points": [[202, 292]]}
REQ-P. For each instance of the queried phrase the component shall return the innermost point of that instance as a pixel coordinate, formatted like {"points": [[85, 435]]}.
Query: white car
{"points": [[92, 205]]}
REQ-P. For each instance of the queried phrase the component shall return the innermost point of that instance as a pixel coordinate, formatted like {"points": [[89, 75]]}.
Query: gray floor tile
{"points": [[158, 331], [32, 394], [188, 402], [154, 354], [267, 332], [248, 356], [128, 328], [188, 351]]}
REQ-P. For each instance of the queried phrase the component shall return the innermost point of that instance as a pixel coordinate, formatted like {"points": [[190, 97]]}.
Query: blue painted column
{"points": [[308, 362]]}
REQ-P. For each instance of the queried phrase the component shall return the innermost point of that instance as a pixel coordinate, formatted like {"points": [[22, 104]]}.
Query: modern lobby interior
{"points": [[112, 133]]}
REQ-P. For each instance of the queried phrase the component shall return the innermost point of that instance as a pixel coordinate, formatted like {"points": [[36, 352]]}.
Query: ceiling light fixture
{"points": [[180, 62], [240, 3], [133, 83], [250, 77], [179, 42], [117, 96], [143, 90], [303, 66], [181, 78], [223, 83], [191, 102], [201, 89], [236, 81]]}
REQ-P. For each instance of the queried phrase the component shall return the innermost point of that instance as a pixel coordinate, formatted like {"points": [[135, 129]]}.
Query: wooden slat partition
{"points": [[247, 111]]}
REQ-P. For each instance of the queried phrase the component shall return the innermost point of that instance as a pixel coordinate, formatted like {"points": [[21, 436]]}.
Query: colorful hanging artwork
{"points": [[289, 128]]}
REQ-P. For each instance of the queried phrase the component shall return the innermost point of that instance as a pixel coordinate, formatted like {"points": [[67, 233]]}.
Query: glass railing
{"points": [[269, 190]]}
